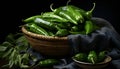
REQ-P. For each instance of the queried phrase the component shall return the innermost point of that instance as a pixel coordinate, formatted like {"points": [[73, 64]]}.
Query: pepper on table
{"points": [[48, 62]]}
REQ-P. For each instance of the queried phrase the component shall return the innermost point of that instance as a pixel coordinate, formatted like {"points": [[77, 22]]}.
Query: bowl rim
{"points": [[87, 63], [38, 36]]}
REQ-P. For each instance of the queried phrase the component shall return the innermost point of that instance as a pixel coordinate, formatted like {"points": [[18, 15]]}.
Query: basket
{"points": [[48, 45]]}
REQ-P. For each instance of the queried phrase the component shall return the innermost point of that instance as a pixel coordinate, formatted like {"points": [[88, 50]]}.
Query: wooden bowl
{"points": [[101, 65], [48, 45]]}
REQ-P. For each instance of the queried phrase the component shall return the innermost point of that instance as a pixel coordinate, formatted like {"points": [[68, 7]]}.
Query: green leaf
{"points": [[22, 43], [11, 63], [12, 55], [10, 38], [6, 65], [24, 66], [7, 53], [19, 59], [7, 44], [12, 46], [25, 55], [17, 35], [2, 48], [16, 61]]}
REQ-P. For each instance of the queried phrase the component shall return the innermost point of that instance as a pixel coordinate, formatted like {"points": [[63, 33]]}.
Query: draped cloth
{"points": [[105, 38]]}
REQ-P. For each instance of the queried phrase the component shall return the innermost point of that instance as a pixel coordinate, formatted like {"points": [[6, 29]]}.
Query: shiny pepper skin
{"points": [[92, 57]]}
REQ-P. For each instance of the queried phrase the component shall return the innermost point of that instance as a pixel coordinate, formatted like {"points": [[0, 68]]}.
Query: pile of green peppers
{"points": [[91, 57], [62, 21]]}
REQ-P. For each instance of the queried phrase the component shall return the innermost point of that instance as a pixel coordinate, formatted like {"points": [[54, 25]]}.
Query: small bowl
{"points": [[100, 65]]}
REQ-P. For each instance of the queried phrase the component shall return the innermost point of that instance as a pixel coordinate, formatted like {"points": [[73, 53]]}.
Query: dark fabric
{"points": [[105, 38]]}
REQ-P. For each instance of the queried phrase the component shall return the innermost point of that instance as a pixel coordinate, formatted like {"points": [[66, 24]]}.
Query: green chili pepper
{"points": [[44, 23], [48, 62], [81, 11], [80, 32], [85, 14], [53, 17], [88, 27], [64, 25], [78, 16], [75, 28], [81, 57], [62, 11], [92, 57], [75, 14], [67, 15], [77, 9], [50, 33], [31, 19], [89, 13], [62, 32], [36, 29], [101, 56]]}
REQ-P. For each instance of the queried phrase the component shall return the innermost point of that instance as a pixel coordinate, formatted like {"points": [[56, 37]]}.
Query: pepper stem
{"points": [[68, 2], [51, 7], [92, 8]]}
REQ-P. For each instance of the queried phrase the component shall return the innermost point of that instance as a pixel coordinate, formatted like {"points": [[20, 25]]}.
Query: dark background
{"points": [[13, 11]]}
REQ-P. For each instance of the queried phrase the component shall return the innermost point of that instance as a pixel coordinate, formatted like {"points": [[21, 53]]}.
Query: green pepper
{"points": [[78, 9], [79, 32], [31, 19], [92, 57], [67, 15], [53, 17], [48, 62], [88, 27], [89, 13], [63, 25], [81, 11], [62, 11], [36, 29], [101, 56], [51, 33], [44, 23], [75, 14], [62, 32], [80, 57], [75, 28], [85, 14]]}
